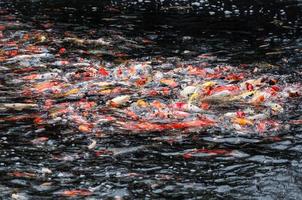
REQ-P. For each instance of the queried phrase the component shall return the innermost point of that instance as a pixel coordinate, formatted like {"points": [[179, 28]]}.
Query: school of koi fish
{"points": [[94, 84], [80, 89]]}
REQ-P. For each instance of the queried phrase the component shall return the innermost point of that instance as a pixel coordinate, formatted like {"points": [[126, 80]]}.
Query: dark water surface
{"points": [[45, 161]]}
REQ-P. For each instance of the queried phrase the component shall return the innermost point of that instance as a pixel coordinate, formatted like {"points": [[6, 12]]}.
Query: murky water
{"points": [[44, 155]]}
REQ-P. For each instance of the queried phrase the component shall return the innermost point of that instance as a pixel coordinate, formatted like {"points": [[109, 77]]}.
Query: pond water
{"points": [[133, 105]]}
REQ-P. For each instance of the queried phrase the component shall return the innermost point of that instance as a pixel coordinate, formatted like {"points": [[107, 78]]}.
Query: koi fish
{"points": [[296, 122], [24, 57], [226, 88], [180, 114], [82, 42], [41, 87], [25, 70], [92, 145], [187, 91], [55, 112], [40, 76], [164, 91], [85, 128], [243, 121], [76, 192], [22, 174], [276, 108], [119, 101], [18, 106], [148, 126], [142, 103], [235, 77], [258, 98], [86, 105], [265, 125], [70, 92], [186, 107], [169, 82], [196, 71], [103, 71], [18, 118]]}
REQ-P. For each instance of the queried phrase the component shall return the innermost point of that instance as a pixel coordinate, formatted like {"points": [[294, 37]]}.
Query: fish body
{"points": [[119, 101], [18, 106], [30, 56]]}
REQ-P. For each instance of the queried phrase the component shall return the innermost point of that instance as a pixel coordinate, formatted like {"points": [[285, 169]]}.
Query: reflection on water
{"points": [[49, 159]]}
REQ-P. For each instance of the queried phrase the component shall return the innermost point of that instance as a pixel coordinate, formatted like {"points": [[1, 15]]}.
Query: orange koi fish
{"points": [[169, 82], [235, 77], [31, 77], [24, 70], [103, 72], [22, 174], [46, 85], [147, 126], [230, 88], [76, 192]]}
